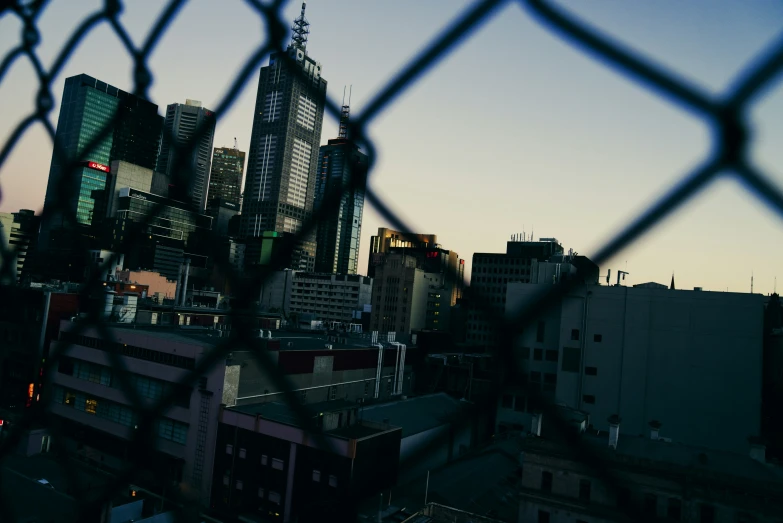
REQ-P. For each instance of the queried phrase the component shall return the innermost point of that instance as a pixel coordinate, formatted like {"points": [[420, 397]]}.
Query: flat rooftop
{"points": [[414, 415]]}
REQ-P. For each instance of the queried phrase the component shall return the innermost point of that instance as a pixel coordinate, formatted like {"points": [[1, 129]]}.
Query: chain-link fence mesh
{"points": [[726, 114]]}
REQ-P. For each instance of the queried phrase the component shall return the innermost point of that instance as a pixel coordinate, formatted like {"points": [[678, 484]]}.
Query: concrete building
{"points": [[689, 359], [327, 367], [329, 297], [273, 465], [283, 159], [428, 422], [182, 123], [654, 480], [89, 404], [386, 239], [223, 213], [407, 298], [225, 180], [436, 260], [490, 275]]}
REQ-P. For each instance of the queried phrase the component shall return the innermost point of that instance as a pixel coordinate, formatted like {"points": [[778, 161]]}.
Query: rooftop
{"points": [[414, 415]]}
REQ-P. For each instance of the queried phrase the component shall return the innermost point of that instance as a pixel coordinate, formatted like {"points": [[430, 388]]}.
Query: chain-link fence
{"points": [[726, 114]]}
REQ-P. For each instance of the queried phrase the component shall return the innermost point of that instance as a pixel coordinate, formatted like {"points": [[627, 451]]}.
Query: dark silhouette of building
{"points": [[183, 123], [342, 169], [225, 180], [88, 106]]}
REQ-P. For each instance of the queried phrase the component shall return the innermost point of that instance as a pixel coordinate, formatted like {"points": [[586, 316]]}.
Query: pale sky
{"points": [[516, 130]]}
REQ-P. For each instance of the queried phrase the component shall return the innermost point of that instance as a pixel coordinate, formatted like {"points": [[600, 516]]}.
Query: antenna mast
{"points": [[751, 282], [300, 30], [235, 143], [345, 114]]}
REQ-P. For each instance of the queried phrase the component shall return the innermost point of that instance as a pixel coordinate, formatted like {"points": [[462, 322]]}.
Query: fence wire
{"points": [[726, 114]]}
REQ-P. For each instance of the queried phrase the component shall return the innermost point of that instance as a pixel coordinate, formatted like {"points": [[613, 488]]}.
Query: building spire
{"points": [[345, 114], [671, 287], [300, 30]]}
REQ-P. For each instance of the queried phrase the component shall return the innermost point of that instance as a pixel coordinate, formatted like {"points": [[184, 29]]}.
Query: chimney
{"points": [[655, 426], [758, 450], [614, 430], [535, 424]]}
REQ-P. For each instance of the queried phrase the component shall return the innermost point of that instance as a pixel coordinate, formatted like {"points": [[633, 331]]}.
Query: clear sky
{"points": [[516, 130]]}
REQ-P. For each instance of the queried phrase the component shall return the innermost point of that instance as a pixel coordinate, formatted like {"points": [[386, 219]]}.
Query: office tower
{"points": [[490, 275], [19, 231], [182, 123], [282, 162], [225, 180], [341, 167], [88, 106], [388, 238]]}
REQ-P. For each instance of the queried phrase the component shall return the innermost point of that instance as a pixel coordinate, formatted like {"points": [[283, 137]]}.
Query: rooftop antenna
{"points": [[235, 143], [345, 114], [775, 288], [300, 30], [751, 282], [531, 234]]}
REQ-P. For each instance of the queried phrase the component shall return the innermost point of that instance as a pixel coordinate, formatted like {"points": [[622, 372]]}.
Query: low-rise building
{"points": [[690, 359], [652, 479], [271, 464], [89, 404]]}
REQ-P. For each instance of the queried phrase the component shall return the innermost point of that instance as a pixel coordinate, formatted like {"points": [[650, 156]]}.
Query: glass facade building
{"points": [[340, 230], [89, 107]]}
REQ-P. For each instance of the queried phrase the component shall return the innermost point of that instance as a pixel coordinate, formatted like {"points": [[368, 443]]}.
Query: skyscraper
{"points": [[282, 161], [340, 230], [182, 122], [225, 180], [89, 105], [381, 244]]}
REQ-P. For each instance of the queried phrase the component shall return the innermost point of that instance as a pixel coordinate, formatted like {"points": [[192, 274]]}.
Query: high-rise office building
{"points": [[225, 180], [88, 106], [283, 158], [341, 167], [381, 245], [182, 123]]}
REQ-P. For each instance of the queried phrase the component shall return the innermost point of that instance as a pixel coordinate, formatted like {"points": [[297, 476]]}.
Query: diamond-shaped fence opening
{"points": [[726, 114]]}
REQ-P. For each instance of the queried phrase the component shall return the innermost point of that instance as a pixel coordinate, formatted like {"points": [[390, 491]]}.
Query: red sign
{"points": [[98, 166], [432, 254]]}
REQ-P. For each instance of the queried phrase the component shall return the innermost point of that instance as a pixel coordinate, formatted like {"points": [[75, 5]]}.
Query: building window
{"points": [[570, 362], [229, 449], [650, 504], [261, 492], [538, 354], [706, 514], [550, 378], [332, 480], [674, 511], [540, 332], [239, 484], [597, 338], [274, 497], [584, 489], [277, 464], [264, 459], [332, 392], [508, 401], [366, 388], [591, 371], [91, 406], [388, 386], [543, 516], [242, 453], [524, 353], [317, 476], [519, 404], [303, 396], [574, 334], [226, 480], [546, 481], [588, 398], [551, 355]]}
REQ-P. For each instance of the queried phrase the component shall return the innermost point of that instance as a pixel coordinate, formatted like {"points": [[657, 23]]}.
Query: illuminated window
{"points": [[91, 406]]}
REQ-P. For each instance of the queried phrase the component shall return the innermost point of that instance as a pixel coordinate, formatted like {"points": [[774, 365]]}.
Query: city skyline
{"points": [[616, 153]]}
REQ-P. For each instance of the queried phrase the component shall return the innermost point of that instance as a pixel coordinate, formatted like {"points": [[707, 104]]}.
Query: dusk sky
{"points": [[516, 130]]}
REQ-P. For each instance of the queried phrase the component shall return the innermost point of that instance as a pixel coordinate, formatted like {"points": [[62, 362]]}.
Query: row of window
{"points": [[169, 429], [129, 350]]}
